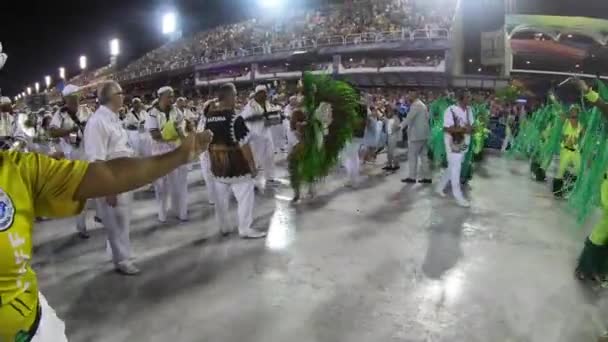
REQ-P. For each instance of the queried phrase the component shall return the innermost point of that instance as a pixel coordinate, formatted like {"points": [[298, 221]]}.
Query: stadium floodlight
{"points": [[23, 94], [16, 98], [577, 66], [527, 62], [37, 86], [83, 62], [29, 90], [169, 23], [471, 60], [114, 47], [271, 3], [47, 81], [479, 70], [62, 73]]}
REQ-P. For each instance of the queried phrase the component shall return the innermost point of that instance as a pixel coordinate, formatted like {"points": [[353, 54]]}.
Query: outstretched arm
{"points": [[593, 97], [125, 174]]}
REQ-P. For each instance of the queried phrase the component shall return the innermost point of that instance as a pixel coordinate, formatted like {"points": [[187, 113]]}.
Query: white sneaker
{"points": [[463, 203], [127, 268], [252, 234], [440, 192]]}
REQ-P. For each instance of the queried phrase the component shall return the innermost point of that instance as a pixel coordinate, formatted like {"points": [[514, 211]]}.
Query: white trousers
{"points": [[452, 174], [134, 141], [391, 149], [350, 159], [208, 176], [243, 191], [418, 150], [50, 328], [507, 140], [173, 186], [263, 153], [117, 222], [279, 139]]}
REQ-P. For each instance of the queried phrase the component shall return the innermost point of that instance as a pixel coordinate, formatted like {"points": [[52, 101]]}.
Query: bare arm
{"points": [[59, 132], [125, 174], [599, 103]]}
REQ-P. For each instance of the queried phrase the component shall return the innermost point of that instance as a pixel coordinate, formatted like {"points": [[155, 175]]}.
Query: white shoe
{"points": [[440, 192], [127, 268], [463, 203], [252, 234]]}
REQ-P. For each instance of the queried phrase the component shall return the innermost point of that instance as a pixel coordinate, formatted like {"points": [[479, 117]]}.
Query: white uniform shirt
{"points": [[156, 121], [253, 109], [63, 120], [7, 125], [130, 120], [105, 138], [455, 116]]}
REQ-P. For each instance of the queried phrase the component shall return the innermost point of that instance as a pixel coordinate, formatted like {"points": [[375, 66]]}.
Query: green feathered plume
{"points": [[318, 152]]}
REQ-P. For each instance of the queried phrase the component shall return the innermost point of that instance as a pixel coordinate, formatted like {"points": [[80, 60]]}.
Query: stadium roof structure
{"points": [[558, 26]]}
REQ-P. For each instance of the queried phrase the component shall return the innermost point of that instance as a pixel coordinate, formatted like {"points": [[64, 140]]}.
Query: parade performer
{"points": [[67, 127], [437, 147], [322, 143], [132, 123], [291, 137], [34, 185], [166, 128], [106, 139], [256, 114], [569, 156], [7, 121], [457, 123], [205, 162], [232, 163], [592, 189], [392, 130]]}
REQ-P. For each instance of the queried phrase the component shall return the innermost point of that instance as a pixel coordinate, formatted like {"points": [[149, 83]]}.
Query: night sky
{"points": [[40, 36]]}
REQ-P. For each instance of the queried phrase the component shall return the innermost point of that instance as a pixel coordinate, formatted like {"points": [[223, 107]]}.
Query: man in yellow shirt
{"points": [[33, 185], [569, 156]]}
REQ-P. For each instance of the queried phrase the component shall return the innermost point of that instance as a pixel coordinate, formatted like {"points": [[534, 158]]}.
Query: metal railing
{"points": [[294, 45]]}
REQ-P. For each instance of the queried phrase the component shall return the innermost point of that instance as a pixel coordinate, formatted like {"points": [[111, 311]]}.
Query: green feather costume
{"points": [[318, 151]]}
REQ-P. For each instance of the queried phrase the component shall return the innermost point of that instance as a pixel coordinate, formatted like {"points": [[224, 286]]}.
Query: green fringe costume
{"points": [[436, 143], [318, 151], [591, 189]]}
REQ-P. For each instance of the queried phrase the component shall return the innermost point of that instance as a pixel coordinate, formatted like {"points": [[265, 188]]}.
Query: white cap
{"points": [[136, 100], [69, 90], [5, 100], [260, 88], [181, 99], [163, 90]]}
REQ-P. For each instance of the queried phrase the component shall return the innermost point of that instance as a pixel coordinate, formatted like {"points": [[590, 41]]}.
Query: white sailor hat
{"points": [[5, 100], [260, 88], [70, 90], [163, 90], [136, 100], [181, 99]]}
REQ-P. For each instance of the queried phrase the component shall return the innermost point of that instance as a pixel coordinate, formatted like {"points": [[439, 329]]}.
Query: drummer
{"points": [[67, 127]]}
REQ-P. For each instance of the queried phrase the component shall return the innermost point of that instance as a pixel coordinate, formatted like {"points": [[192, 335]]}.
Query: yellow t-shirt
{"points": [[31, 185], [571, 135]]}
